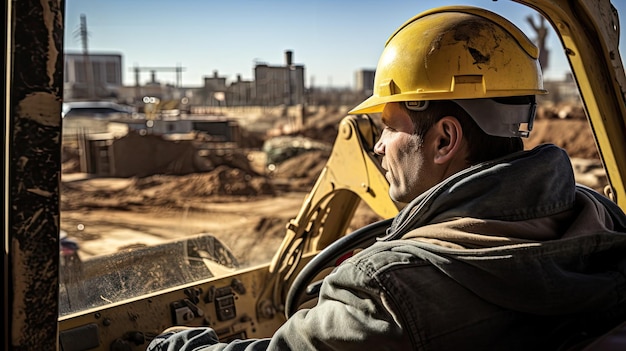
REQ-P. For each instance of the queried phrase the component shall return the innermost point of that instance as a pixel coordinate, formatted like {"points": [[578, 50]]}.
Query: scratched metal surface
{"points": [[34, 155]]}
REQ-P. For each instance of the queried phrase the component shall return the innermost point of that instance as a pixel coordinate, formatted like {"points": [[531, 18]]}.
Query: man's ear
{"points": [[449, 138]]}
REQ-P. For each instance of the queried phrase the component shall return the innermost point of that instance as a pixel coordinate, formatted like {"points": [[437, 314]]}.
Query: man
{"points": [[497, 248]]}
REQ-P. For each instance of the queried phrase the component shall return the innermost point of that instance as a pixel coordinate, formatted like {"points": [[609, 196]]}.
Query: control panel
{"points": [[228, 304]]}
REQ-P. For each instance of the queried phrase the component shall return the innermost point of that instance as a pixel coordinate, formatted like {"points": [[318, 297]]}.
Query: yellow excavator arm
{"points": [[352, 173]]}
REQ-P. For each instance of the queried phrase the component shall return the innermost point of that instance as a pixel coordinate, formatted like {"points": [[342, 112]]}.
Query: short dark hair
{"points": [[482, 146]]}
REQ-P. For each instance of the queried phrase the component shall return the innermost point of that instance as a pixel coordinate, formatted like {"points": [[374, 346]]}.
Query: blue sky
{"points": [[331, 38]]}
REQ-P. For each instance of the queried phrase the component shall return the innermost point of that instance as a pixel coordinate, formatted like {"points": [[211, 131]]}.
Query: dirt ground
{"points": [[244, 207]]}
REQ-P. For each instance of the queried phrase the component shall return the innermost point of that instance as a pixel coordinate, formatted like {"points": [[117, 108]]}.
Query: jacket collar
{"points": [[524, 185]]}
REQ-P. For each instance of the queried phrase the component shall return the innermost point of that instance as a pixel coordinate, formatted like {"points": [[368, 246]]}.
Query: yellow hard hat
{"points": [[454, 53]]}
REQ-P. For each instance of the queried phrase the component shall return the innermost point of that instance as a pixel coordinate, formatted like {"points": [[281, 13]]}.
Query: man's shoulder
{"points": [[384, 255], [385, 266]]}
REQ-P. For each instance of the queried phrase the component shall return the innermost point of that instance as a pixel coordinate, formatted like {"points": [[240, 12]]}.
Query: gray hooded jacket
{"points": [[509, 254]]}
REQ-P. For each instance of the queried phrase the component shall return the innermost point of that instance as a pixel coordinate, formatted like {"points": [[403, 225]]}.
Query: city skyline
{"points": [[332, 39]]}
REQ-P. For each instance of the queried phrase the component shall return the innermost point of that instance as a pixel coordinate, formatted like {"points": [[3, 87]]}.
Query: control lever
{"points": [[183, 311]]}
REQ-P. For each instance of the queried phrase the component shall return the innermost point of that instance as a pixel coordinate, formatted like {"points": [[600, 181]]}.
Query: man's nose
{"points": [[379, 147]]}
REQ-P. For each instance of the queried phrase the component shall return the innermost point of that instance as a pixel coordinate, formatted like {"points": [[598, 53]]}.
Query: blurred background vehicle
{"points": [[96, 109]]}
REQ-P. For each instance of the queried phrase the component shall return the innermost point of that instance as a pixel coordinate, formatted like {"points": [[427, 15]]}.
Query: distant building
{"points": [[215, 83], [140, 148], [92, 76], [241, 93], [213, 92], [280, 85], [99, 77], [364, 81]]}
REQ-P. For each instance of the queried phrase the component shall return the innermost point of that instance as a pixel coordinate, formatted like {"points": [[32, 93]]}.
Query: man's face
{"points": [[405, 159]]}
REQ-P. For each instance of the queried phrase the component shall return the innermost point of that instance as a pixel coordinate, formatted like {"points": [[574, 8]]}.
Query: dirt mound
{"points": [[163, 190], [223, 180], [573, 135], [301, 172], [323, 125]]}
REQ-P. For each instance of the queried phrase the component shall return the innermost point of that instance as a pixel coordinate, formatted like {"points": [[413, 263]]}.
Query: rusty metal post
{"points": [[32, 164]]}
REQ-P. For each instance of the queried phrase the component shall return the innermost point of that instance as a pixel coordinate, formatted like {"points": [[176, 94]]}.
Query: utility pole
{"points": [[290, 69], [86, 59]]}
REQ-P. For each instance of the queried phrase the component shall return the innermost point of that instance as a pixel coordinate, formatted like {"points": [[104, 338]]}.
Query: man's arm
{"points": [[352, 313]]}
